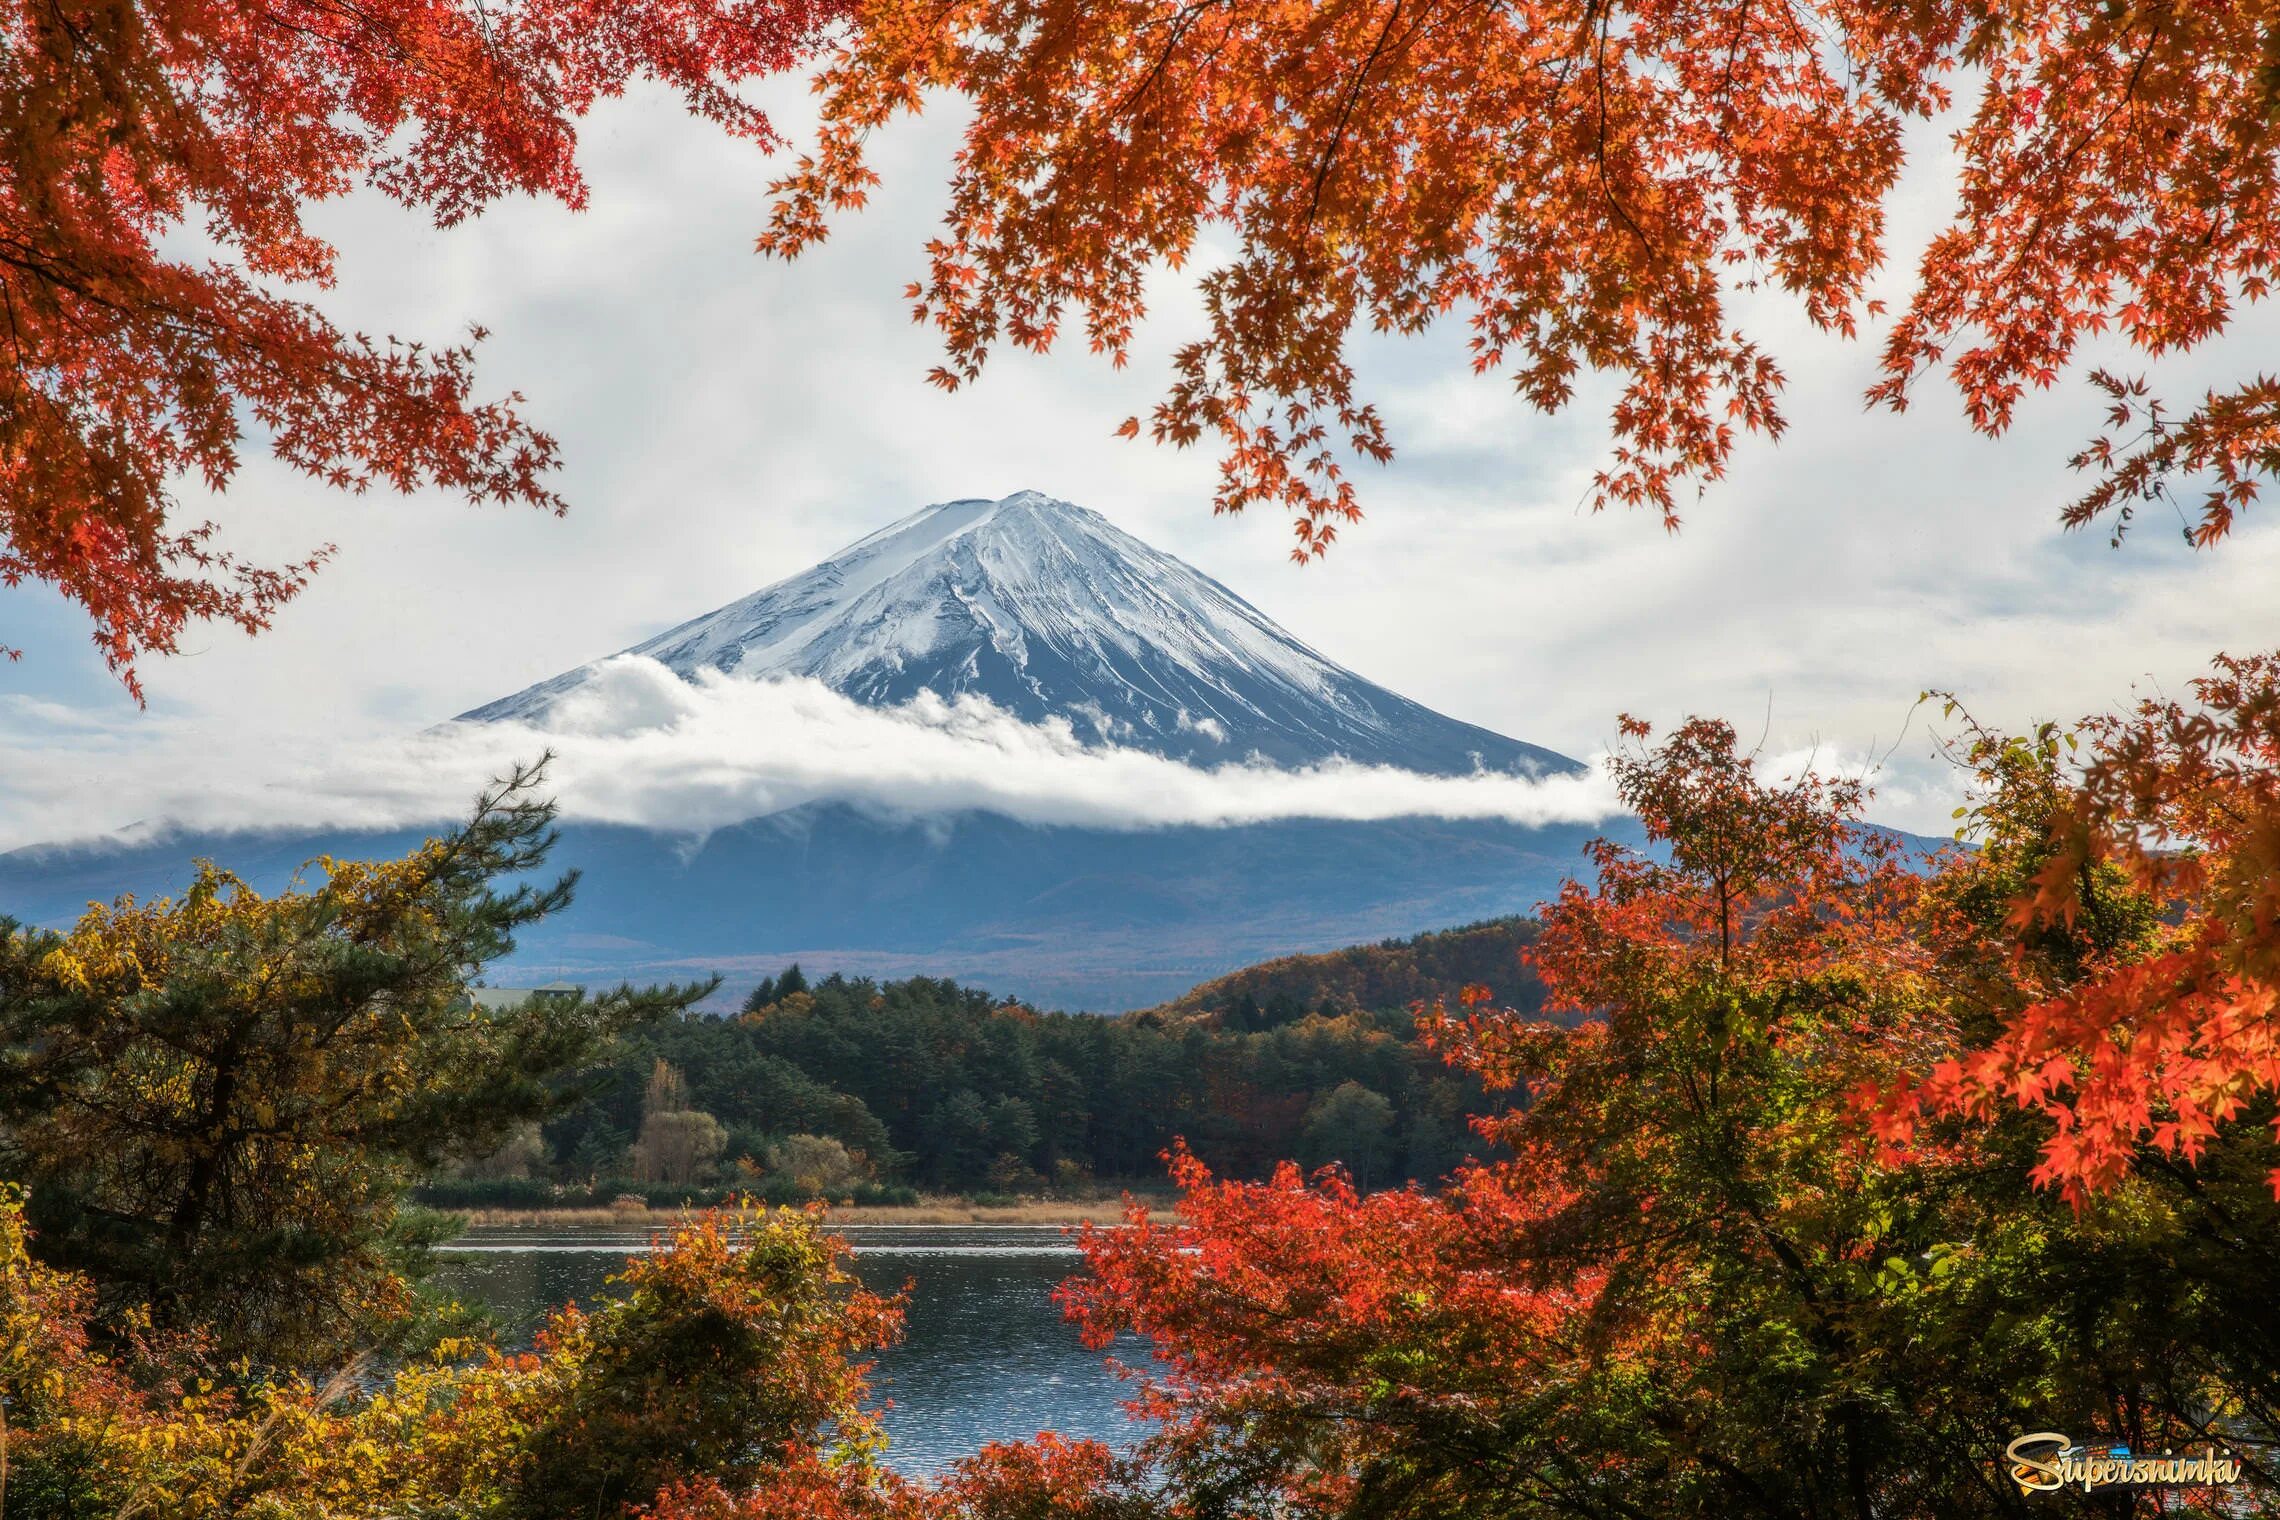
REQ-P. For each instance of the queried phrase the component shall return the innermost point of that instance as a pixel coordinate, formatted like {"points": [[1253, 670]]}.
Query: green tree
{"points": [[1062, 1114], [1352, 1126], [518, 1156], [1013, 1127], [219, 1100], [873, 1064], [958, 1138], [774, 988]]}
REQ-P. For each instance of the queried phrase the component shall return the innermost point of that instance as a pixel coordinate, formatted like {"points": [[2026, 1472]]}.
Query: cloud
{"points": [[1210, 728], [635, 744]]}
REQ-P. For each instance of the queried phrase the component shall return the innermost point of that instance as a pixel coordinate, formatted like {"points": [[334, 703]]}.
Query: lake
{"points": [[985, 1355]]}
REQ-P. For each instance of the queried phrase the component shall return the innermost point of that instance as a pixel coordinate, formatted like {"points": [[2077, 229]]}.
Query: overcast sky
{"points": [[728, 421]]}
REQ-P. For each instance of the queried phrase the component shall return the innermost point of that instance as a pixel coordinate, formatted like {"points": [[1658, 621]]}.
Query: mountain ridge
{"points": [[1050, 611]]}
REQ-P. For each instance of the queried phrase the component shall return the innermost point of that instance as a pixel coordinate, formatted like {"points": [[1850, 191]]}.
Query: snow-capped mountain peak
{"points": [[1048, 610]]}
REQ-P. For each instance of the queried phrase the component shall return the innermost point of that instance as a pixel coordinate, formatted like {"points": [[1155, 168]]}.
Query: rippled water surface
{"points": [[985, 1354]]}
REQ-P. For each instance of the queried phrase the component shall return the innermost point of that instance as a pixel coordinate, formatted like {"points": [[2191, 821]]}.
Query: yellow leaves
{"points": [[70, 970], [469, 1431]]}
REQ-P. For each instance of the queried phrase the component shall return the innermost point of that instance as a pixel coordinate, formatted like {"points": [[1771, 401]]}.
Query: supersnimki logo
{"points": [[2047, 1461]]}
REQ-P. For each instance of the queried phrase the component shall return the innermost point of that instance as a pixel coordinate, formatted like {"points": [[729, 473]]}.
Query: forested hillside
{"points": [[850, 1085], [1392, 974]]}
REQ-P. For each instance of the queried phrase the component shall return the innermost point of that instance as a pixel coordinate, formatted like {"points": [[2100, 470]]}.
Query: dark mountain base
{"points": [[1061, 917]]}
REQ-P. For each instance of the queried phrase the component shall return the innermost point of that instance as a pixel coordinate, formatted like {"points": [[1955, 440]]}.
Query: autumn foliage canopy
{"points": [[158, 160], [1587, 187]]}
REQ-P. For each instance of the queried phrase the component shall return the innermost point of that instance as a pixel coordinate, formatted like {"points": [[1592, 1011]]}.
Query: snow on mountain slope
{"points": [[1049, 611]]}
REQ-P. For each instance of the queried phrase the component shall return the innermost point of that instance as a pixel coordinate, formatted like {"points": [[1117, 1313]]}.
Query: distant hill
{"points": [[1391, 974]]}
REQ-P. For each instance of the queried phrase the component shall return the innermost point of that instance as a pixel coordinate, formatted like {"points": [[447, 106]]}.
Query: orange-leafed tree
{"points": [[1573, 1331], [157, 162], [2138, 858], [1587, 186], [1699, 1287]]}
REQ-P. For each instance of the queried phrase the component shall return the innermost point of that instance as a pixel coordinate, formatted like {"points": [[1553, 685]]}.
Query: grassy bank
{"points": [[1035, 1211]]}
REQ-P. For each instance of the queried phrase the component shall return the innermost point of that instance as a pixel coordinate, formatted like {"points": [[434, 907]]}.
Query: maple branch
{"points": [[2065, 165], [16, 332], [48, 272], [1179, 27], [364, 32], [1346, 113], [1733, 55], [1599, 155]]}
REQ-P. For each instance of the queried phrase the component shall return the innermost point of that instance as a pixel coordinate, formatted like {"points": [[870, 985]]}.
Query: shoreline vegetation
{"points": [[896, 1095], [942, 1210]]}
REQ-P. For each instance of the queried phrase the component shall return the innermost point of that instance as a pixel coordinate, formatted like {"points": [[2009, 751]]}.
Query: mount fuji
{"points": [[1049, 612]]}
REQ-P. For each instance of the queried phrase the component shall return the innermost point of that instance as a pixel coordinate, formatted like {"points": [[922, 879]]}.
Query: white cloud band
{"points": [[637, 745]]}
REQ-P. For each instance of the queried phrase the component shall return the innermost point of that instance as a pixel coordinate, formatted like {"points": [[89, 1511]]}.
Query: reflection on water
{"points": [[985, 1355]]}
